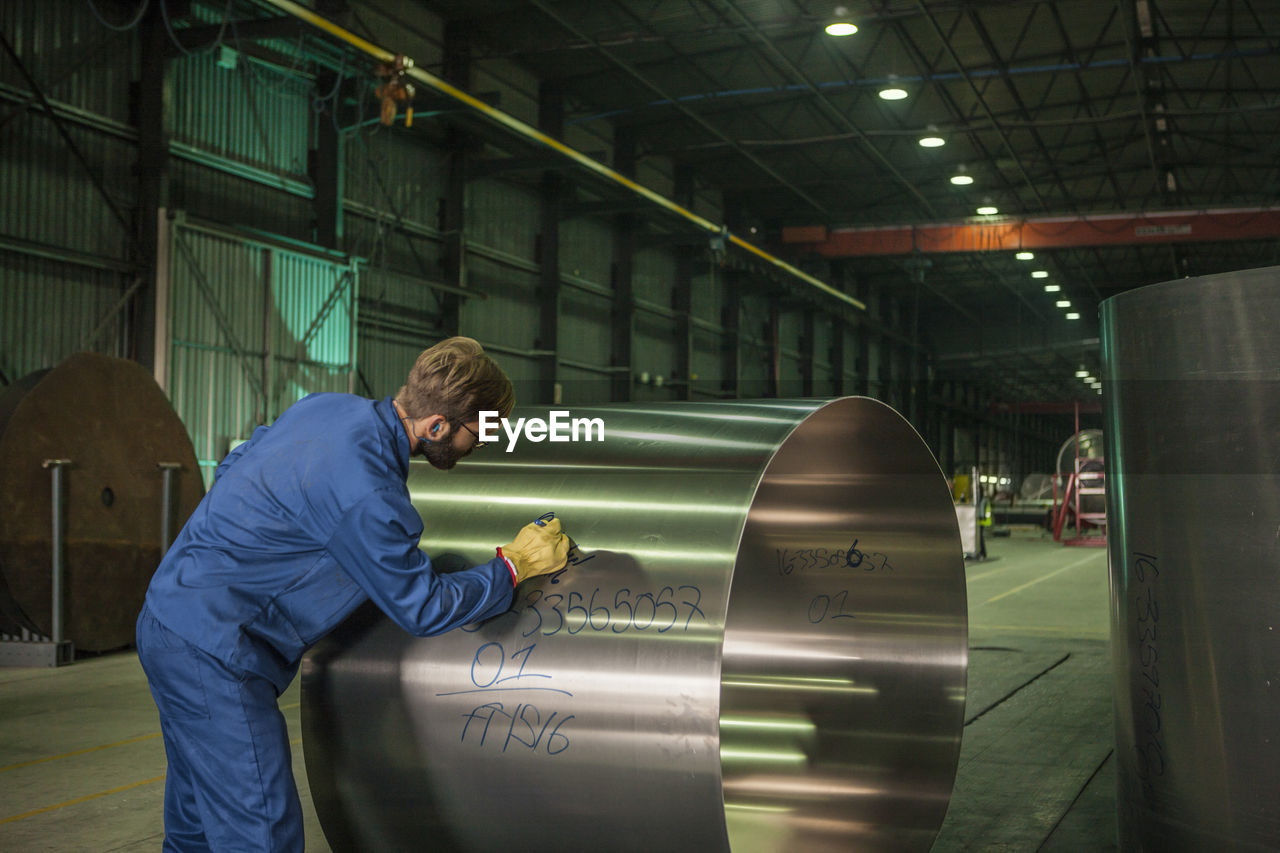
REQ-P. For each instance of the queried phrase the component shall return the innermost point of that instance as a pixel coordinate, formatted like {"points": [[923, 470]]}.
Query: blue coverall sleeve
{"points": [[376, 543], [230, 458]]}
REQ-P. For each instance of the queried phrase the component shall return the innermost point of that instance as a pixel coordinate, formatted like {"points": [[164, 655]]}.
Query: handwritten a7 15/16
{"points": [[792, 560]]}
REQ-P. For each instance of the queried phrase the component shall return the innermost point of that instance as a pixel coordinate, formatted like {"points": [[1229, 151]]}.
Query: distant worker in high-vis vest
{"points": [[306, 521]]}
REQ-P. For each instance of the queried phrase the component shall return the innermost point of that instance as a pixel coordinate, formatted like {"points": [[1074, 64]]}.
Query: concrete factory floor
{"points": [[82, 764]]}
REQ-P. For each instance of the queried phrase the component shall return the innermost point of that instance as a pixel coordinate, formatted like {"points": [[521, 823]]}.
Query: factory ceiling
{"points": [[1120, 142], [1080, 121]]}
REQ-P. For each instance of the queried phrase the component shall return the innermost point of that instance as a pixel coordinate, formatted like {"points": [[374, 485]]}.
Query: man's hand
{"points": [[539, 549]]}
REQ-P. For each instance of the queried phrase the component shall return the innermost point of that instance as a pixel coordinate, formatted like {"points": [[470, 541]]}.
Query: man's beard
{"points": [[442, 455]]}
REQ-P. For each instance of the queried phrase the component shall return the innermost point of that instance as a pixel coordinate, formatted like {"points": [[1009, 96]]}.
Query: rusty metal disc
{"points": [[114, 422]]}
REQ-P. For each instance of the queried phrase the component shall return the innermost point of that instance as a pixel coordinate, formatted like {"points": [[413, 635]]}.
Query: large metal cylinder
{"points": [[1192, 401], [760, 645], [112, 421]]}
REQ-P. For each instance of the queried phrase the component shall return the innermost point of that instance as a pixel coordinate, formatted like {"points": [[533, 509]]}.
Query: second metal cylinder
{"points": [[1192, 373]]}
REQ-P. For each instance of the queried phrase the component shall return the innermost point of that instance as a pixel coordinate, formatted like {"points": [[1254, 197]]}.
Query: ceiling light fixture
{"points": [[1081, 373], [931, 139], [841, 26], [1039, 274], [1072, 315], [1063, 303], [988, 210], [892, 91], [1026, 256], [840, 23], [961, 178], [1052, 288]]}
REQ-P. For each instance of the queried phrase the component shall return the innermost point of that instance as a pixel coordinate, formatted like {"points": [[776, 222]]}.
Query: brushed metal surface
{"points": [[1192, 403], [762, 645]]}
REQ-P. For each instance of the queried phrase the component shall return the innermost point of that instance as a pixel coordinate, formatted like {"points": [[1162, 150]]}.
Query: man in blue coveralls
{"points": [[306, 521]]}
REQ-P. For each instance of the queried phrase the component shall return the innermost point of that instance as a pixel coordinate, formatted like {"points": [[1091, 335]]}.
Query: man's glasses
{"points": [[478, 443]]}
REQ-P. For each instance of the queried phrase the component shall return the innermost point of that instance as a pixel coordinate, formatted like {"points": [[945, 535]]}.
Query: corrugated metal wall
{"points": [[790, 332], [252, 329], [251, 113], [49, 310], [76, 60], [824, 372], [243, 131], [755, 352], [397, 322], [706, 308], [653, 273], [586, 309], [63, 253], [501, 228]]}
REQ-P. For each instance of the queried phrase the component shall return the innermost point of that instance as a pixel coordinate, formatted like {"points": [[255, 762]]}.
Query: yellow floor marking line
{"points": [[994, 572], [1046, 577], [125, 742], [1032, 564], [83, 799]]}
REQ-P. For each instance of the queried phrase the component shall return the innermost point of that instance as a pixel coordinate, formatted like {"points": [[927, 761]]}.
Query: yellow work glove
{"points": [[539, 549]]}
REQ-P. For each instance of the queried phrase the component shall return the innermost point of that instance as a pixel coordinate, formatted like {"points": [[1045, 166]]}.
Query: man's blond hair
{"points": [[456, 378]]}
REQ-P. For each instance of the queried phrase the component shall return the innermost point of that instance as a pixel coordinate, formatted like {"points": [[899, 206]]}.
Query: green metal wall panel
{"points": [[51, 309], [502, 216], [214, 194], [584, 387], [387, 248], [708, 291], [655, 357], [586, 250], [77, 61], [875, 367], [509, 314], [790, 330], [252, 329], [585, 332], [654, 275], [823, 369], [395, 172], [251, 113], [754, 351], [63, 253], [51, 199], [707, 364]]}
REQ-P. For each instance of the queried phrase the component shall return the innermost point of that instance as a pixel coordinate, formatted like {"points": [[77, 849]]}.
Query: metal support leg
{"points": [[53, 650], [167, 470], [55, 467]]}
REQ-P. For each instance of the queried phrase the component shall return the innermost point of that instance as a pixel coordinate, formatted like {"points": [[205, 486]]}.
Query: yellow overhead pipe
{"points": [[529, 132]]}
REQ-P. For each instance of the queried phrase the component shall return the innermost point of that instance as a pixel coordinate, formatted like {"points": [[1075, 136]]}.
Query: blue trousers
{"points": [[230, 782]]}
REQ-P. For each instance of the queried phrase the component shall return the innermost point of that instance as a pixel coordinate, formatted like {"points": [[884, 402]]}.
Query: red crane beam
{"points": [[1048, 232]]}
